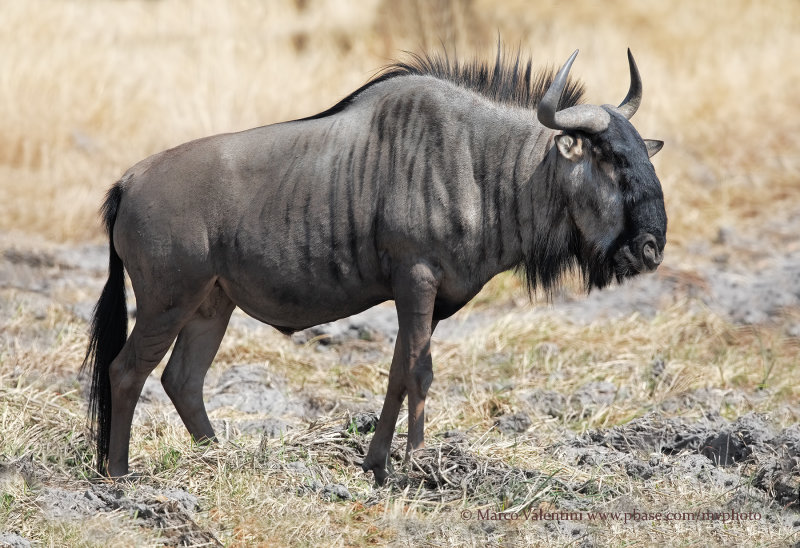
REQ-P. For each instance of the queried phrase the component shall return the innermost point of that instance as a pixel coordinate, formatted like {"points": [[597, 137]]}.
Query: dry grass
{"points": [[279, 492], [89, 88]]}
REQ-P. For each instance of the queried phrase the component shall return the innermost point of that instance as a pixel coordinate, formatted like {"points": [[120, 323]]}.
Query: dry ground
{"points": [[677, 393]]}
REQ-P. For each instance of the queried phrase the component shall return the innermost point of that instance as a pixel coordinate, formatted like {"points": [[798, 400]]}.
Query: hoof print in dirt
{"points": [[736, 442], [639, 469], [510, 425], [780, 483], [593, 396], [725, 449], [548, 403]]}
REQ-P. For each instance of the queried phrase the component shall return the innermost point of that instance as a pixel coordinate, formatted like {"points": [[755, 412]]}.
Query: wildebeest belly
{"points": [[291, 308], [292, 298]]}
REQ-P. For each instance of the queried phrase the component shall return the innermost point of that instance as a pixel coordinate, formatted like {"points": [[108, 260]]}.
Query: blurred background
{"points": [[89, 88]]}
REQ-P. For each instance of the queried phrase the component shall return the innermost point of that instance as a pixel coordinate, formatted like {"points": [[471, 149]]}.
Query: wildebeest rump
{"points": [[419, 187]]}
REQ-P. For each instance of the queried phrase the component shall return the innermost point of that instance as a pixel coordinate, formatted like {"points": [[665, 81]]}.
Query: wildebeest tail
{"points": [[109, 330]]}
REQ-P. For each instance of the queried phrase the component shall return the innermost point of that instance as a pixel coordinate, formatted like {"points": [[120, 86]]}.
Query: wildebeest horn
{"points": [[588, 118], [631, 102]]}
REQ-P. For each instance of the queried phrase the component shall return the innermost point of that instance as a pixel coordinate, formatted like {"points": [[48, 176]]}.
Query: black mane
{"points": [[510, 80]]}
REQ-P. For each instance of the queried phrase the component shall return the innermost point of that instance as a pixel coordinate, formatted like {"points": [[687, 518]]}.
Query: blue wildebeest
{"points": [[419, 187]]}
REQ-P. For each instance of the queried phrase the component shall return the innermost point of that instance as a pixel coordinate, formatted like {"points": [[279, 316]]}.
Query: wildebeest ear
{"points": [[653, 146], [570, 147]]}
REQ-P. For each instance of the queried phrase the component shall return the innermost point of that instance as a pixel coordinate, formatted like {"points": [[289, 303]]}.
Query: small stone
{"points": [[362, 423], [334, 492]]}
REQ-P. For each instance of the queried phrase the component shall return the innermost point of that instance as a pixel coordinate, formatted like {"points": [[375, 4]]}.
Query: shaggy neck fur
{"points": [[554, 247]]}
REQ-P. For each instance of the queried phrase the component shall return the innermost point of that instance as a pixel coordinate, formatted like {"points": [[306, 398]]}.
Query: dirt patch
{"points": [[745, 453], [167, 510], [250, 388], [254, 399], [13, 540], [587, 400]]}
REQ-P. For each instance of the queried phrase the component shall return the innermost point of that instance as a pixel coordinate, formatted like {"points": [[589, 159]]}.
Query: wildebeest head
{"points": [[614, 197]]}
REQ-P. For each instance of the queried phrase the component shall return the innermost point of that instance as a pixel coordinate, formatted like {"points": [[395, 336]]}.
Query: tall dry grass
{"points": [[89, 88]]}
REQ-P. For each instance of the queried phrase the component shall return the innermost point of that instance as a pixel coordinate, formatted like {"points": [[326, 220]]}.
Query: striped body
{"points": [[300, 221]]}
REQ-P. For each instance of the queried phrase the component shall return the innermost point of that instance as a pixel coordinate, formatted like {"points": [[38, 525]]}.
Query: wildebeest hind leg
{"points": [[149, 341], [194, 351]]}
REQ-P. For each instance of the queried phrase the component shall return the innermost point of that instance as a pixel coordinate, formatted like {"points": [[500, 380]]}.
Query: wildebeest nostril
{"points": [[650, 255]]}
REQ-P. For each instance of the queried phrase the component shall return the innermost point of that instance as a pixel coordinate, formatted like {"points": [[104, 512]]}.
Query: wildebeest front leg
{"points": [[377, 458], [411, 372]]}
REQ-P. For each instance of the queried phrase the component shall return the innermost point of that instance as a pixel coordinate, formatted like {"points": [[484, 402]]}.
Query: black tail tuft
{"points": [[109, 330]]}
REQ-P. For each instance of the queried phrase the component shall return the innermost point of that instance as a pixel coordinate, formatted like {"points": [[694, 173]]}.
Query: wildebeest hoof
{"points": [[127, 478], [379, 471]]}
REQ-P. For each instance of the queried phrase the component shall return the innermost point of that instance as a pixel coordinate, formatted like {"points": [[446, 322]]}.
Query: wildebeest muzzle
{"points": [[638, 256]]}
